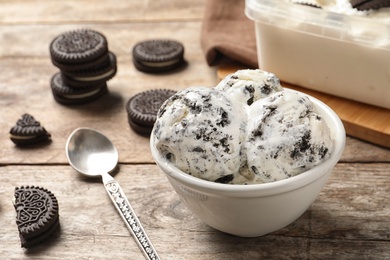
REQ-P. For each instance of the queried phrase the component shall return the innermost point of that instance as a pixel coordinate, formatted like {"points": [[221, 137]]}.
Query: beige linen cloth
{"points": [[227, 32]]}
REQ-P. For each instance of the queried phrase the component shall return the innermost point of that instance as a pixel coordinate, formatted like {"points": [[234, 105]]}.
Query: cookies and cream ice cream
{"points": [[247, 129], [285, 136], [376, 10], [250, 85], [203, 131]]}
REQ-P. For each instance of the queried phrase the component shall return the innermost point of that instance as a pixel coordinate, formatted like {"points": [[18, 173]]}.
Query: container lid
{"points": [[315, 21]]}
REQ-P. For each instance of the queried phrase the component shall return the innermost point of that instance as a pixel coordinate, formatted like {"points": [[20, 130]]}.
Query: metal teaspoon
{"points": [[92, 154]]}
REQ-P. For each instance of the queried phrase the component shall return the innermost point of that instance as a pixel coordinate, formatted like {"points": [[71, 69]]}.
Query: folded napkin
{"points": [[227, 32]]}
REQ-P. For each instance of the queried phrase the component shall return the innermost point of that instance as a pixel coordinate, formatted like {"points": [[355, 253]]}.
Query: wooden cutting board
{"points": [[363, 121]]}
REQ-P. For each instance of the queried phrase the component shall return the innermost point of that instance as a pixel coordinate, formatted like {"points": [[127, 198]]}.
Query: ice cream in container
{"points": [[326, 45]]}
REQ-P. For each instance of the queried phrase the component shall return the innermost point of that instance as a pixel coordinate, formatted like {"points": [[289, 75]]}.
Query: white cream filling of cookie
{"points": [[95, 77], [82, 95], [22, 137], [159, 64]]}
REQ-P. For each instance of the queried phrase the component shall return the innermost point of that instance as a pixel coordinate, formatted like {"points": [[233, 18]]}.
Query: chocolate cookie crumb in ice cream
{"points": [[370, 4]]}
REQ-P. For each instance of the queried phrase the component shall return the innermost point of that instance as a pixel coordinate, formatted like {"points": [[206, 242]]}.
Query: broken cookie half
{"points": [[37, 214], [28, 131]]}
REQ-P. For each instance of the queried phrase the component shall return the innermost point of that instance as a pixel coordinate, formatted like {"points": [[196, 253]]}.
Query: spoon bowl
{"points": [[92, 154]]}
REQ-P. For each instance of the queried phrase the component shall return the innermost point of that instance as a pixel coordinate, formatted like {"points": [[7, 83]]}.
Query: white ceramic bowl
{"points": [[257, 209]]}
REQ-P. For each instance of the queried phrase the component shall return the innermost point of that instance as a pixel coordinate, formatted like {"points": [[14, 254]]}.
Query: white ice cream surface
{"points": [[286, 136], [250, 85], [202, 131]]}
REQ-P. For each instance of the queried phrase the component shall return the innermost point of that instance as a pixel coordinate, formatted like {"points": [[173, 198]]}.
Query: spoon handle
{"points": [[132, 222]]}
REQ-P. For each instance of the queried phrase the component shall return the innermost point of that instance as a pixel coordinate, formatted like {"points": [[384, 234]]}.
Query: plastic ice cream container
{"points": [[343, 55]]}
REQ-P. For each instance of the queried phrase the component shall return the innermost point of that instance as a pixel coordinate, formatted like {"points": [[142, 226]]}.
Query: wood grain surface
{"points": [[349, 220]]}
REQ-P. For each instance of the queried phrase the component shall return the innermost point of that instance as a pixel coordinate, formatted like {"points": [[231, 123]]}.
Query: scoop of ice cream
{"points": [[250, 85], [201, 130], [286, 136]]}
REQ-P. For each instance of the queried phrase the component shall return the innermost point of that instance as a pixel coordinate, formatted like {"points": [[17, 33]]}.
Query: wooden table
{"points": [[349, 220]]}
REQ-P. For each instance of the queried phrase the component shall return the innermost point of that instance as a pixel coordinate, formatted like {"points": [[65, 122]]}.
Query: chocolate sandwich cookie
{"points": [[28, 131], [369, 4], [142, 109], [37, 214], [97, 74], [158, 55], [79, 49], [67, 95]]}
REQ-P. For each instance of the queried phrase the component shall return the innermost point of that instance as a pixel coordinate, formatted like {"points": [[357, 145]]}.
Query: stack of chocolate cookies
{"points": [[85, 65]]}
